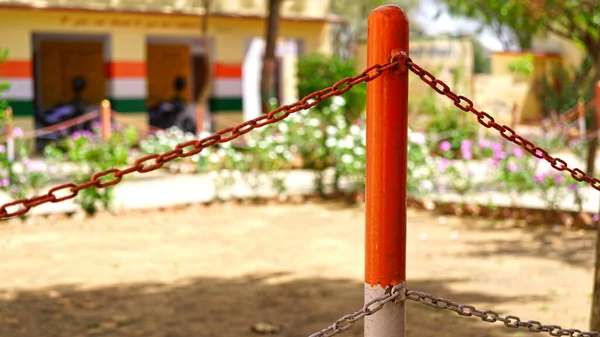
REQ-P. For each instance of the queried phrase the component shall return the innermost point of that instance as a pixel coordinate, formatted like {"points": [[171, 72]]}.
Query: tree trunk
{"points": [[595, 318], [208, 83], [267, 81]]}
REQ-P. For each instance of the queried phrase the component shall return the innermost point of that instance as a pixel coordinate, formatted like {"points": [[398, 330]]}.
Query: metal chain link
{"points": [[490, 316], [346, 322], [488, 121], [156, 161]]}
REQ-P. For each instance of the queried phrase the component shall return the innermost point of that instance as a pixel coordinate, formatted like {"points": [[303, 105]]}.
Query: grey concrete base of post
{"points": [[387, 322]]}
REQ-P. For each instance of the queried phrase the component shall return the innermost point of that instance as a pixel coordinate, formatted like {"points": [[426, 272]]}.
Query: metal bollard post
{"points": [[105, 113], [10, 141], [387, 147], [581, 120]]}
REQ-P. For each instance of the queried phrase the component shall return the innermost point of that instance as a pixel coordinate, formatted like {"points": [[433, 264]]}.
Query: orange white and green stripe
{"points": [[227, 88], [126, 85], [19, 75]]}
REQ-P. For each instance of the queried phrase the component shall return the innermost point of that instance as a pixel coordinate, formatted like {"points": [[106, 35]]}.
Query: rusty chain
{"points": [[190, 148], [490, 316], [488, 121], [400, 294], [346, 322]]}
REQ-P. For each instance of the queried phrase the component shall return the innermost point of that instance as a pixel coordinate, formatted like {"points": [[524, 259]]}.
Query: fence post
{"points": [[387, 147], [581, 120], [10, 141], [105, 113]]}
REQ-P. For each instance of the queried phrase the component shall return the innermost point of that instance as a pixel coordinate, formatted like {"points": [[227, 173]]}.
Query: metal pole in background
{"points": [[10, 141], [105, 122], [387, 147], [581, 120]]}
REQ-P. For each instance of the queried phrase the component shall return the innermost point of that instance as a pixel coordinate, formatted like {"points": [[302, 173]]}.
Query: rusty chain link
{"points": [[490, 316], [156, 161], [346, 322], [488, 121]]}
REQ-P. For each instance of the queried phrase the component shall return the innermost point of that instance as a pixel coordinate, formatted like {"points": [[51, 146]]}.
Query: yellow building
{"points": [[526, 69], [130, 51]]}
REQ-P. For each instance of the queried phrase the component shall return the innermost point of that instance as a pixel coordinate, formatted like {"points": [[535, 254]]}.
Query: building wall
{"points": [[125, 54], [527, 102]]}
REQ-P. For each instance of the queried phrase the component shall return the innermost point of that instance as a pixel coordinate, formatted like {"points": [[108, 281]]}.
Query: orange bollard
{"points": [[387, 147], [105, 113], [581, 120]]}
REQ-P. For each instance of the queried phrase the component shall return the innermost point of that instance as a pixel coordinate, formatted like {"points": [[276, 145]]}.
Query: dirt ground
{"points": [[219, 270]]}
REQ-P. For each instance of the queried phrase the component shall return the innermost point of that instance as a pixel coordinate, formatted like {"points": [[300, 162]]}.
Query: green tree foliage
{"points": [[318, 71], [355, 13], [510, 20]]}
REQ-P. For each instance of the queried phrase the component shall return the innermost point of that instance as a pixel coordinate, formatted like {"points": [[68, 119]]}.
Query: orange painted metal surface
{"points": [[105, 114], [387, 132]]}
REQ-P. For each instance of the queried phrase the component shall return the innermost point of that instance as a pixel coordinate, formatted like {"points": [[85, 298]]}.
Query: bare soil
{"points": [[219, 270]]}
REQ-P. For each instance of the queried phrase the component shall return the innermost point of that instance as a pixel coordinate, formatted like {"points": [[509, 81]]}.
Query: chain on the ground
{"points": [[346, 322], [190, 148], [488, 121], [490, 316]]}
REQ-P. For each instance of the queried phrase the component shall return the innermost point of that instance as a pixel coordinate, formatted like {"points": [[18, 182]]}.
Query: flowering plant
{"points": [[91, 153]]}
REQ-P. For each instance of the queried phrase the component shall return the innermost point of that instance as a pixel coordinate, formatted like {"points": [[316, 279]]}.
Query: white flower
{"points": [[331, 130], [346, 158], [331, 142], [355, 130], [214, 158], [283, 128], [272, 155], [417, 138], [279, 148], [318, 134], [359, 151], [338, 100], [314, 122]]}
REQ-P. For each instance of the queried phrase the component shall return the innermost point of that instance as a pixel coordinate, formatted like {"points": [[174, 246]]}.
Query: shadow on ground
{"points": [[576, 249], [223, 307]]}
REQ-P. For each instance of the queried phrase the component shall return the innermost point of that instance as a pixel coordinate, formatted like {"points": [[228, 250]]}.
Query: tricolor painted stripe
{"points": [[127, 88], [227, 88], [125, 69], [16, 69], [19, 88], [224, 70]]}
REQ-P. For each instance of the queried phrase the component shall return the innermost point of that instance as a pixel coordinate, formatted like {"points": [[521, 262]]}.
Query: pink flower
{"points": [[36, 166], [572, 187], [465, 149], [17, 132], [444, 164], [518, 152], [595, 217], [2, 148], [4, 182], [52, 170], [539, 178], [445, 146], [483, 143], [512, 167], [559, 180], [496, 147]]}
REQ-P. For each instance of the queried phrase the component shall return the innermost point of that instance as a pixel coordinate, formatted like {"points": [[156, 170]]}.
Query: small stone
{"points": [[265, 328]]}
